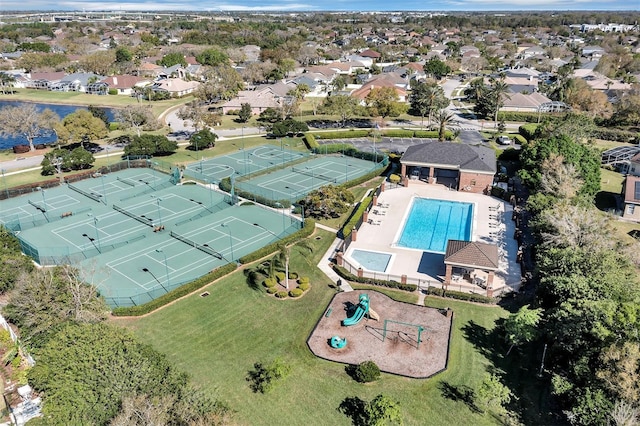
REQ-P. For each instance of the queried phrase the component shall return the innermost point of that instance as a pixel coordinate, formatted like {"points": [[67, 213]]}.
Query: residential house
{"points": [[520, 102], [593, 52], [125, 84], [460, 166], [394, 80], [176, 87], [531, 52], [631, 195], [80, 80], [259, 99]]}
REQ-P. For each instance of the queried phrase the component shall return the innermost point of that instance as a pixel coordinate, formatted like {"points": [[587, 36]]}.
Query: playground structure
{"points": [[363, 308], [338, 342], [413, 341]]}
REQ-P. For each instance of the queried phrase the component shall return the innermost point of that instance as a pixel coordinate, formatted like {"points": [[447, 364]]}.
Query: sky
{"points": [[315, 5]]}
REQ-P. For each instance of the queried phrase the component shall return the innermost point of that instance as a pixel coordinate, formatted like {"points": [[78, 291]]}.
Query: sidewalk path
{"points": [[325, 261]]}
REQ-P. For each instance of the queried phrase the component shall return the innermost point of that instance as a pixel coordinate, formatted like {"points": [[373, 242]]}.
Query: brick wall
{"points": [[474, 182]]}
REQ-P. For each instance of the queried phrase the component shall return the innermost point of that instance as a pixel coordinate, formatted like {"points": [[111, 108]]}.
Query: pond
{"points": [[61, 110]]}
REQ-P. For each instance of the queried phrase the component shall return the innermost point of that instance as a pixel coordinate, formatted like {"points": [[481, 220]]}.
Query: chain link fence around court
{"points": [[64, 255]]}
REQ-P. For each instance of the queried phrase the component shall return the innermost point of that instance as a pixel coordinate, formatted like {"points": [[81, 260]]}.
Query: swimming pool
{"points": [[371, 260], [431, 223]]}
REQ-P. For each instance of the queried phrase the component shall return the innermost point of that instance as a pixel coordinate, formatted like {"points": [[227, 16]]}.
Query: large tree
{"points": [[384, 102], [150, 145], [46, 298], [221, 83], [327, 202], [137, 117], [27, 122], [80, 125], [436, 68], [426, 98]]}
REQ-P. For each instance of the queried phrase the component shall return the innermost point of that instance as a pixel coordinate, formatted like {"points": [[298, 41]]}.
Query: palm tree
{"points": [[6, 80], [498, 92], [284, 254], [444, 118]]}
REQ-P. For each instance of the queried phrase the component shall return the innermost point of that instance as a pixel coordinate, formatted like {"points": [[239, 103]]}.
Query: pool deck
{"points": [[489, 226]]}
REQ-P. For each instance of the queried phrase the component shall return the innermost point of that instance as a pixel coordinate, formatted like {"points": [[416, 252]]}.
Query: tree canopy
{"points": [[27, 122], [327, 201], [79, 125]]}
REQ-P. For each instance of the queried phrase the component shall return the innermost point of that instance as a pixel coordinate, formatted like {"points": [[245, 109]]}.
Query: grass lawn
{"points": [[217, 340], [610, 187], [79, 98]]}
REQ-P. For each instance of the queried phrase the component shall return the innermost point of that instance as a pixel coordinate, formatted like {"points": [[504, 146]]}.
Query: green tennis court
{"points": [[293, 183], [135, 235], [241, 163]]}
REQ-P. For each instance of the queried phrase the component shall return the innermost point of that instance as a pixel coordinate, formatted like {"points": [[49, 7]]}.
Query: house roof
{"points": [[370, 54], [519, 100], [632, 189], [124, 81], [472, 254], [452, 156]]}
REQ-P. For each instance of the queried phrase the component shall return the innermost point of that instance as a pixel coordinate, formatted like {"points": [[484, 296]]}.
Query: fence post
{"points": [[360, 272], [354, 235], [339, 258]]}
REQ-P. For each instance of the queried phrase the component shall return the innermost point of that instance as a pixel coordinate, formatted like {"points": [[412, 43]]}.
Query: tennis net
{"points": [[37, 206], [314, 175], [201, 247], [92, 195], [126, 181], [140, 219]]}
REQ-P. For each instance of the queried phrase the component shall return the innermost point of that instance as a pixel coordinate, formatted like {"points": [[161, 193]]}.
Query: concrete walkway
{"points": [[327, 259]]}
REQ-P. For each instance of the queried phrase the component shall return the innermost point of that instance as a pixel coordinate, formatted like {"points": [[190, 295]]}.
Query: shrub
{"points": [[293, 275], [346, 134], [519, 139], [279, 276], [282, 294], [5, 338], [356, 216], [304, 286], [113, 92], [617, 135], [395, 178], [272, 290], [20, 149], [310, 141], [528, 130], [426, 134], [303, 280], [398, 133], [269, 282], [479, 298], [296, 292], [263, 377], [367, 371]]}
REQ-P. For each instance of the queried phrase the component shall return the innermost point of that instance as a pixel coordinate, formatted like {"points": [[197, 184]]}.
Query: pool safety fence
{"points": [[421, 283]]}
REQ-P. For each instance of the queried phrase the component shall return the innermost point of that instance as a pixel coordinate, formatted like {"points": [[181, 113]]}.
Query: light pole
{"points": [[265, 229], [155, 278], [44, 202], [4, 179], [279, 205], [206, 181], [244, 153], [154, 174], [166, 266], [95, 226], [158, 199], [104, 193], [224, 225]]}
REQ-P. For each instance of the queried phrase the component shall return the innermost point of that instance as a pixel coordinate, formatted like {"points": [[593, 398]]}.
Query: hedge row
{"points": [[458, 295], [528, 130], [346, 134], [225, 185], [356, 216], [364, 280], [527, 117], [310, 141], [617, 135], [309, 226], [176, 293], [519, 139]]}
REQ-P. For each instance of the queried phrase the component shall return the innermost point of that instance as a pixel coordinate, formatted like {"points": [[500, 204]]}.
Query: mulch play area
{"points": [[397, 351]]}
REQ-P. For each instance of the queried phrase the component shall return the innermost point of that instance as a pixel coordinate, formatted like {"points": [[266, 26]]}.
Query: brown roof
{"points": [[472, 254], [629, 186]]}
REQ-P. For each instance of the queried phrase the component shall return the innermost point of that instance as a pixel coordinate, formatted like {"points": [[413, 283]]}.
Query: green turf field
{"points": [[217, 340]]}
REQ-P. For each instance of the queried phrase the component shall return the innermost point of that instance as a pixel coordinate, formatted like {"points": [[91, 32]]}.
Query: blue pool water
{"points": [[371, 260], [431, 223]]}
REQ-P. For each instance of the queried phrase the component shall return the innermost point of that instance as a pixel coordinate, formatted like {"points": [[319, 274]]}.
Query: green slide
{"points": [[361, 311]]}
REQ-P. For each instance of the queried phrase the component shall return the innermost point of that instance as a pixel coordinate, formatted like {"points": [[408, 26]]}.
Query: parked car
{"points": [[504, 140]]}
